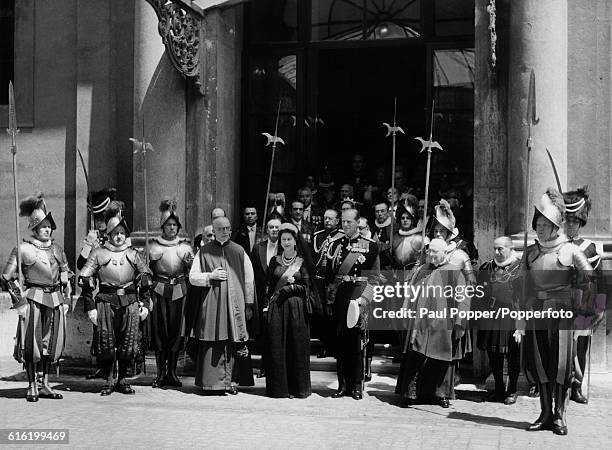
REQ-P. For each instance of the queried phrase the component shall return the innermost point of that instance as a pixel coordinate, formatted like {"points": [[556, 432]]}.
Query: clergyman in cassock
{"points": [[225, 272], [433, 341]]}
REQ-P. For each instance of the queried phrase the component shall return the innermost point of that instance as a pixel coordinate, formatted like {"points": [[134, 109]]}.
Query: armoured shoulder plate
{"points": [[28, 253], [155, 251]]}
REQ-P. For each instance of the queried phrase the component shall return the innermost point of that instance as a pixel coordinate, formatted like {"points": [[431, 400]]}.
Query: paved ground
{"points": [[171, 418]]}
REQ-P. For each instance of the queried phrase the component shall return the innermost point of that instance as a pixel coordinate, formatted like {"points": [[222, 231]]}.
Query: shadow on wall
{"points": [[164, 114]]}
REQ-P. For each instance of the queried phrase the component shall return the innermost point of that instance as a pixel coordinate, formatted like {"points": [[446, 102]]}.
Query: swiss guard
{"points": [[353, 268], [124, 282], [591, 302], [170, 259], [43, 304], [552, 264], [95, 238]]}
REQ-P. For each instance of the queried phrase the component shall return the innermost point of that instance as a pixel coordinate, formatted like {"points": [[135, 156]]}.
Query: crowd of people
{"points": [[311, 271]]}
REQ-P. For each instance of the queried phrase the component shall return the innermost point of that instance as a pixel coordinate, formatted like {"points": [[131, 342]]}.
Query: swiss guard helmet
{"points": [[445, 217], [551, 206], [577, 204], [35, 209], [100, 201], [114, 217], [167, 207]]}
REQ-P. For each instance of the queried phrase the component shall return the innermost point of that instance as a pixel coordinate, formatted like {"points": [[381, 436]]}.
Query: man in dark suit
{"points": [[248, 234], [296, 217], [262, 254]]}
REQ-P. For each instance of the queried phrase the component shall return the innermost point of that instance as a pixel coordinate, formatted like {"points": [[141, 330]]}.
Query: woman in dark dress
{"points": [[288, 307]]}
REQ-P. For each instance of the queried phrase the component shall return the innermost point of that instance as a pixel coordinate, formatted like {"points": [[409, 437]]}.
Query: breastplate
{"points": [[44, 270], [170, 261], [115, 268], [547, 273]]}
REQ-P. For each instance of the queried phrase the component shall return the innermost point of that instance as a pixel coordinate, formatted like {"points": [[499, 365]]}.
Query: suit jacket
{"points": [[241, 237], [260, 267]]}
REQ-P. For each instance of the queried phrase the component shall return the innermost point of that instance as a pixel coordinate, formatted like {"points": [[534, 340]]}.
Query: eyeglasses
{"points": [[210, 235], [224, 229]]}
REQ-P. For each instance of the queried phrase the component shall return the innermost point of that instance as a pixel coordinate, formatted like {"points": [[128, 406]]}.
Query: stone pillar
{"points": [[538, 41], [490, 139]]}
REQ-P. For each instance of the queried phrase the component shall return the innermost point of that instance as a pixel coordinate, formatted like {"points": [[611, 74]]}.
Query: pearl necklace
{"points": [[288, 262]]}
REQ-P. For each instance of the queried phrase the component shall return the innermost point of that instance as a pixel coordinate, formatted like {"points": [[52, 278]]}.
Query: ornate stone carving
{"points": [[179, 28]]}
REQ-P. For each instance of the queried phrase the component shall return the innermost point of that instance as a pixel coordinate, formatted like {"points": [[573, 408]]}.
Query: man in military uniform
{"points": [[121, 303], [353, 267], [42, 306], [592, 302], [312, 214], [96, 238], [495, 335], [170, 260], [550, 265], [324, 327]]}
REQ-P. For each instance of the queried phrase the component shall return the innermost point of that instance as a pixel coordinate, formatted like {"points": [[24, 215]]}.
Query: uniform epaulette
{"points": [[335, 238]]}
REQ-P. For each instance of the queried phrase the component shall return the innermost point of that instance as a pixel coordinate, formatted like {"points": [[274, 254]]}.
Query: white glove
{"points": [[518, 336], [93, 316], [143, 312], [22, 311]]}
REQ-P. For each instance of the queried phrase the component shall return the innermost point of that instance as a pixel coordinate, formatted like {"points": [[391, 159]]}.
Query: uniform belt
{"points": [[118, 290], [169, 280], [350, 278], [45, 289]]}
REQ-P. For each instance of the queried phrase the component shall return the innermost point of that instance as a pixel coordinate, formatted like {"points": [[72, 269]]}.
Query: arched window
{"points": [[7, 45]]}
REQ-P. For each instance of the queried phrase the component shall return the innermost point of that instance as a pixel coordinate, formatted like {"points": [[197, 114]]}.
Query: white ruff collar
{"points": [[508, 261], [385, 224]]}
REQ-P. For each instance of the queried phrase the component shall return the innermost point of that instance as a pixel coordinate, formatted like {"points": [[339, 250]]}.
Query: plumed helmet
{"points": [[445, 217], [113, 216], [167, 207], [577, 204], [101, 199], [35, 209], [551, 206], [409, 205]]}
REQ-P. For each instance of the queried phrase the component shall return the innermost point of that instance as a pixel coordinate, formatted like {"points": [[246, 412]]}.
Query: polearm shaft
{"points": [[274, 140], [531, 120], [90, 214], [427, 145], [393, 213], [144, 146], [146, 199], [12, 130], [393, 130]]}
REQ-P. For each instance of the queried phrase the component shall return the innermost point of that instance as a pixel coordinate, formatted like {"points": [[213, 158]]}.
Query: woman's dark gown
{"points": [[288, 351]]}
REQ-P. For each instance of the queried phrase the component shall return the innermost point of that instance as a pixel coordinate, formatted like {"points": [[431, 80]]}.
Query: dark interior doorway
{"points": [[355, 95]]}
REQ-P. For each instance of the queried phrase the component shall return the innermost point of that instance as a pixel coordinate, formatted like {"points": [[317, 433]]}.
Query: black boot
{"points": [[46, 391], [122, 386], [544, 421], [171, 378], [577, 393], [561, 401], [160, 361], [32, 394]]}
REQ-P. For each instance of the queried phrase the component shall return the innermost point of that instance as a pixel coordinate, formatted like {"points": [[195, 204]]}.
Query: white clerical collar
{"points": [[508, 260], [222, 242], [385, 224]]}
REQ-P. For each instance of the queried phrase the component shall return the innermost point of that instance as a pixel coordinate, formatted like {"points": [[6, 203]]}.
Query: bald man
{"points": [[225, 272], [496, 336]]}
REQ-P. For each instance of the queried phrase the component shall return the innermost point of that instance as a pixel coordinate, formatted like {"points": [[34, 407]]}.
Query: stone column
{"points": [[538, 41]]}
